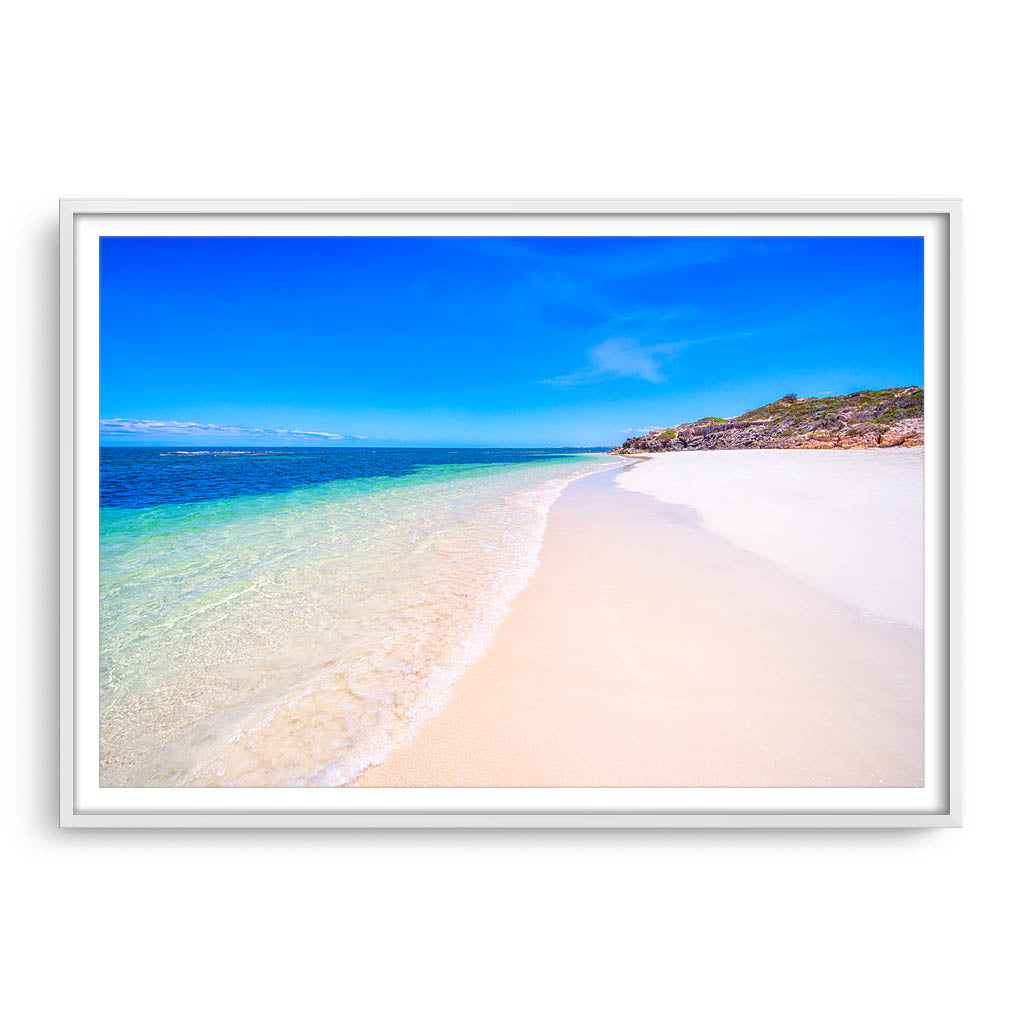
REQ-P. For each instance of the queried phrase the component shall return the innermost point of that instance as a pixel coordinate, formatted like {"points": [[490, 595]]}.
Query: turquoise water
{"points": [[292, 635]]}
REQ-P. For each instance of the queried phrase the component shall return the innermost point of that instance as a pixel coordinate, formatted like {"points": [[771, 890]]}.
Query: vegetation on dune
{"points": [[893, 416]]}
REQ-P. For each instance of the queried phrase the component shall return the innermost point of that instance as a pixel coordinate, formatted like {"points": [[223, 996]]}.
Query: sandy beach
{"points": [[756, 624], [849, 523]]}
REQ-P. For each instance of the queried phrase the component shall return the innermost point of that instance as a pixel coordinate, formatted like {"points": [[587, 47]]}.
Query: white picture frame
{"points": [[83, 804]]}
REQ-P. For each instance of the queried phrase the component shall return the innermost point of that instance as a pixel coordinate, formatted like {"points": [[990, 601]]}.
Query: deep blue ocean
{"points": [[145, 477]]}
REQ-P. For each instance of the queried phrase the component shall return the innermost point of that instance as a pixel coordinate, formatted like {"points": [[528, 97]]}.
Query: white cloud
{"points": [[618, 357], [622, 357], [206, 431]]}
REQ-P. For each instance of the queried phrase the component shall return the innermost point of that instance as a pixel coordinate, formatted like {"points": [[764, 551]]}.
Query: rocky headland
{"points": [[865, 419]]}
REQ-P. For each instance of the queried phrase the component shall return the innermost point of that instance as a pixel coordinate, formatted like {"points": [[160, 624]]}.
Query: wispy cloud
{"points": [[208, 431], [630, 257], [616, 358], [639, 430], [621, 357]]}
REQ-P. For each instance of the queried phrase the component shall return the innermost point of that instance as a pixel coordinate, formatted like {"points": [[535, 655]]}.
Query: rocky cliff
{"points": [[865, 419]]}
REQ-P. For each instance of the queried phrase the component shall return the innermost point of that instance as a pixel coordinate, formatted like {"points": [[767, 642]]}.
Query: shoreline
{"points": [[617, 665], [379, 599]]}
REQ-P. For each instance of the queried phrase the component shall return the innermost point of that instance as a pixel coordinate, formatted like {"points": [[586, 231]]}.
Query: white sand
{"points": [[850, 523], [647, 651]]}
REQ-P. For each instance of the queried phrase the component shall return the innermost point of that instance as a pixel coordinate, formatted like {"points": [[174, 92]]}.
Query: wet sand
{"points": [[649, 651]]}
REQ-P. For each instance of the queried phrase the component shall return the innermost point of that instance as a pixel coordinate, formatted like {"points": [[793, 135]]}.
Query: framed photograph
{"points": [[509, 514]]}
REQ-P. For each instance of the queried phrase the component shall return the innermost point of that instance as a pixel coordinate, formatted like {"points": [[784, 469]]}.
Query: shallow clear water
{"points": [[286, 619]]}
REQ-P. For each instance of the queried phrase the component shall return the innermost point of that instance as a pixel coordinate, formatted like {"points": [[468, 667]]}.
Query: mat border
{"points": [[70, 817]]}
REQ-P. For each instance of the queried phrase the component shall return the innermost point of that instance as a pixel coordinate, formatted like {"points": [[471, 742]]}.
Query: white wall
{"points": [[878, 99]]}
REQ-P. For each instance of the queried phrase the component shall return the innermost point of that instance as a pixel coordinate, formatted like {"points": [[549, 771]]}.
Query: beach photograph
{"points": [[507, 513], [385, 511]]}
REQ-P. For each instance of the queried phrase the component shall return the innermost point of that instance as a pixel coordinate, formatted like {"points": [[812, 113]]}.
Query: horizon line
{"points": [[347, 447]]}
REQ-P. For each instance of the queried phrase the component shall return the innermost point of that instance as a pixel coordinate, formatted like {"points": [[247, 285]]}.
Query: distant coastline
{"points": [[893, 418]]}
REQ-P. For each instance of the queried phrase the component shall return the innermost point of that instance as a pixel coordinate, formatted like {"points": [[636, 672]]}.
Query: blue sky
{"points": [[489, 341]]}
